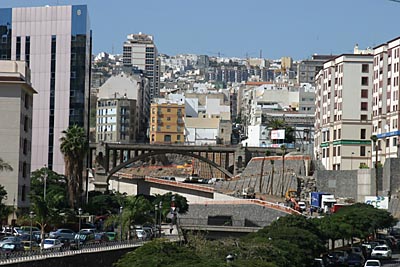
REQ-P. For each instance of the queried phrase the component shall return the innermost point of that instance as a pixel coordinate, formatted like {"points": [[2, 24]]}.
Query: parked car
{"points": [[355, 260], [169, 178], [52, 243], [112, 236], [27, 245], [84, 237], [141, 234], [372, 263], [10, 239], [27, 229], [62, 233], [11, 247], [101, 238], [381, 252]]}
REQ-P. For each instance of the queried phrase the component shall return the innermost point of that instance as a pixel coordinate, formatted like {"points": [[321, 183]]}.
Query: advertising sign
{"points": [[277, 134], [378, 202]]}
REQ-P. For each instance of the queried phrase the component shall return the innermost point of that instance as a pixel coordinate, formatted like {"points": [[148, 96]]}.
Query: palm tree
{"points": [[74, 146], [4, 166]]}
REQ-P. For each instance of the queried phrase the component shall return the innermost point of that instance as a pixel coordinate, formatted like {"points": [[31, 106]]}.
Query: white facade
{"points": [[343, 108], [385, 101]]}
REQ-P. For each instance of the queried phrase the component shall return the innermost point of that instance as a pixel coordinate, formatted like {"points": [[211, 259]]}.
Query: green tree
{"points": [[5, 211], [46, 211], [74, 146], [55, 185]]}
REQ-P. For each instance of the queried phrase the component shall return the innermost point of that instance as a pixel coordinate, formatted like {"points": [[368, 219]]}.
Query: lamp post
{"points": [[79, 232], [120, 223], [155, 215], [44, 182], [374, 139], [31, 216], [160, 212]]}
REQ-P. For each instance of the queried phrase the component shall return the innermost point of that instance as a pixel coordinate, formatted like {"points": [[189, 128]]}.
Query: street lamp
{"points": [[31, 216], [155, 215], [79, 232], [160, 208], [45, 182], [120, 222]]}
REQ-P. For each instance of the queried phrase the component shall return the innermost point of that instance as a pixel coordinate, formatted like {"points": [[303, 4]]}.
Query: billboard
{"points": [[277, 134], [378, 202]]}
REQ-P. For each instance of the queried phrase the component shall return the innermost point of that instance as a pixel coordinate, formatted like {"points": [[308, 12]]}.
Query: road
{"points": [[395, 262]]}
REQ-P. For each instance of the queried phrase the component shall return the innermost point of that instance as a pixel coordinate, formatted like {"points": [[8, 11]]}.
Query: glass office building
{"points": [[55, 41]]}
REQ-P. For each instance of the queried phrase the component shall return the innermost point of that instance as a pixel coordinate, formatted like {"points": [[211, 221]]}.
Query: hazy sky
{"points": [[296, 28]]}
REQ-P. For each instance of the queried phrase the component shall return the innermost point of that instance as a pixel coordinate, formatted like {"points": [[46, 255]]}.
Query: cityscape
{"points": [[145, 158]]}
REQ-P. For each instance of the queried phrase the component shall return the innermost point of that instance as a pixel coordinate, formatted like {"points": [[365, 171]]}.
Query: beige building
{"points": [[16, 95], [167, 124], [122, 109], [385, 100], [342, 116]]}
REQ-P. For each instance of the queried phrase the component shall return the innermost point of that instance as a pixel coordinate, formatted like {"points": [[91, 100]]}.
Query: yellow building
{"points": [[166, 123]]}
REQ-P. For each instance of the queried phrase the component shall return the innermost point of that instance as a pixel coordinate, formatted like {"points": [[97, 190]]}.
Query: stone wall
{"points": [[241, 214]]}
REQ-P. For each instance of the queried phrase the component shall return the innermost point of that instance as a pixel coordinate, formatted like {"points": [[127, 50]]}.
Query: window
{"points": [[364, 93], [338, 150], [339, 133], [168, 110], [364, 81], [364, 117], [178, 137], [363, 134], [26, 123], [168, 126], [364, 68], [362, 151], [395, 141], [334, 151], [167, 138], [168, 118], [364, 106], [387, 142]]}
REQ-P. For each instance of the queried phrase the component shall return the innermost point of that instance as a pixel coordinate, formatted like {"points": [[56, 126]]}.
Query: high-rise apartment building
{"points": [[343, 108], [166, 122], [140, 51], [385, 100], [16, 94], [55, 42]]}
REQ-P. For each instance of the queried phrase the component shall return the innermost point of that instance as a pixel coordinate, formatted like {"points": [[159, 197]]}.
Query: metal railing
{"points": [[23, 256]]}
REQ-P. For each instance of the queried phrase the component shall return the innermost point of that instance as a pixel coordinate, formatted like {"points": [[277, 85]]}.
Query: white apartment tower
{"points": [[55, 42], [385, 101], [140, 52], [342, 116]]}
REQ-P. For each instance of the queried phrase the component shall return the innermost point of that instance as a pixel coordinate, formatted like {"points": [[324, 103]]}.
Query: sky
{"points": [[237, 28]]}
